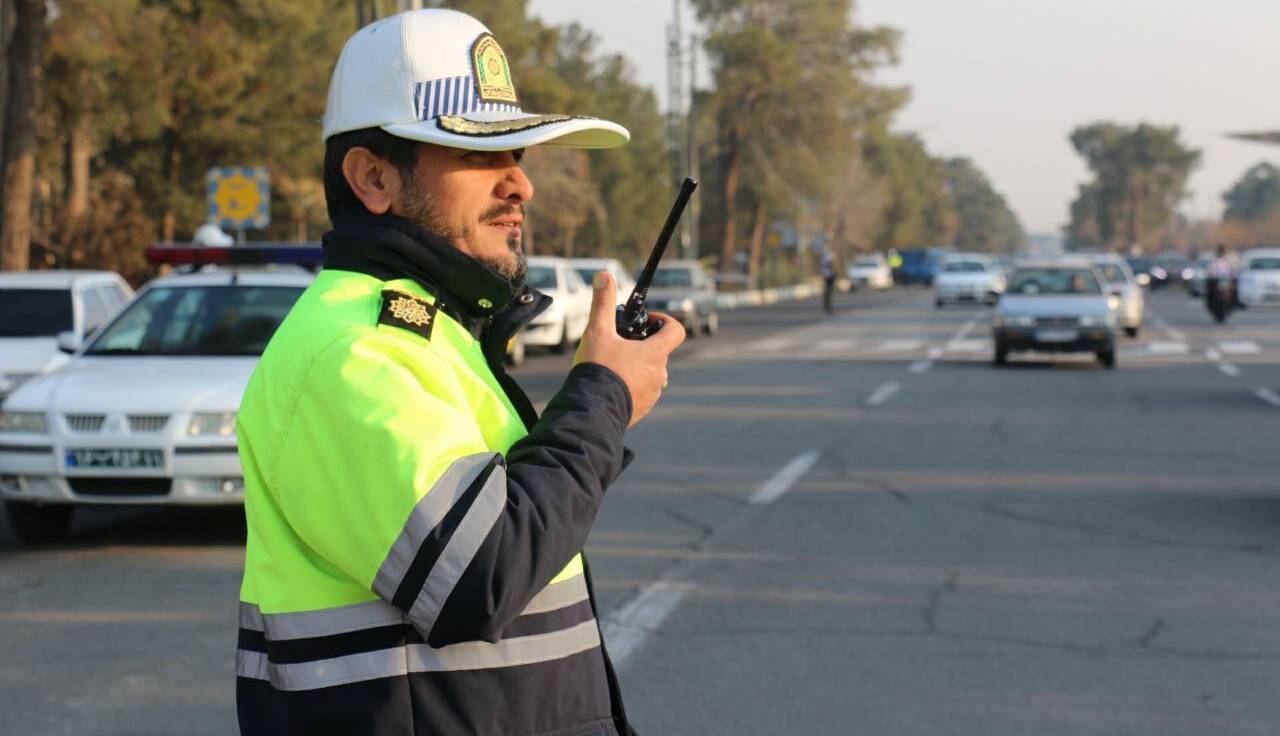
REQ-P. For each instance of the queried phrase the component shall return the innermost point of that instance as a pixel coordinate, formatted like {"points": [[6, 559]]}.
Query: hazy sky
{"points": [[1004, 81]]}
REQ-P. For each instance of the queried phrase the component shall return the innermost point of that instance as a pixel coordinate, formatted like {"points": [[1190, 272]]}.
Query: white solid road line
{"points": [[781, 482], [773, 344], [883, 393], [833, 346], [1229, 369], [1160, 347], [935, 353], [965, 345], [899, 346], [1213, 355], [1269, 396], [628, 627]]}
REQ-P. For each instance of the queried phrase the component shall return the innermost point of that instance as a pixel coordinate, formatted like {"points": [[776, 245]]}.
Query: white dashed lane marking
{"points": [[1269, 396], [1229, 370], [1172, 347], [883, 393], [1240, 347], [899, 346]]}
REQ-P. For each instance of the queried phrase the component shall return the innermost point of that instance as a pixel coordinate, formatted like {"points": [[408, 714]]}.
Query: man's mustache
{"points": [[502, 210]]}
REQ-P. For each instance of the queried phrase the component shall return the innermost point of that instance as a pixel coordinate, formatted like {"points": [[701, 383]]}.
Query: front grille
{"points": [[85, 423], [141, 423], [1057, 322], [121, 486]]}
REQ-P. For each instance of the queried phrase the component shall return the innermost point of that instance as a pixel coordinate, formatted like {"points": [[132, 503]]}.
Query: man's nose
{"points": [[515, 186]]}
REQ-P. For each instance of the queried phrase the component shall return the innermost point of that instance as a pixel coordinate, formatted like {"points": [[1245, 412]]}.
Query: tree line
{"points": [[115, 109]]}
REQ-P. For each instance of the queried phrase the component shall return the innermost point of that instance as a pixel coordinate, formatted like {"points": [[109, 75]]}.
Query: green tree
{"points": [[1255, 196], [919, 210], [1139, 177], [984, 221]]}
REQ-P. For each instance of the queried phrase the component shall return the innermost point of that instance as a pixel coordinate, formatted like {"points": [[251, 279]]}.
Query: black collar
{"points": [[391, 247]]}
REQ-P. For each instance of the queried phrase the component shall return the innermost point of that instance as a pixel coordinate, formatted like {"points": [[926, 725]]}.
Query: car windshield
{"points": [[667, 278], [1112, 273], [198, 320], [542, 277], [1264, 264], [1054, 281], [964, 267], [1172, 263], [1140, 265], [35, 312]]}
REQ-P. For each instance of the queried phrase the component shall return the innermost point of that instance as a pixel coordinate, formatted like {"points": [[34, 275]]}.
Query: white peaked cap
{"points": [[439, 76]]}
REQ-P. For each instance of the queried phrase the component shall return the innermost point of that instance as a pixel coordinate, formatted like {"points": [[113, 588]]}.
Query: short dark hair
{"points": [[401, 153]]}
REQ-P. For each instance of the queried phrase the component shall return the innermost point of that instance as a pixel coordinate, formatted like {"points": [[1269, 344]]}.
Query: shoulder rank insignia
{"points": [[408, 312]]}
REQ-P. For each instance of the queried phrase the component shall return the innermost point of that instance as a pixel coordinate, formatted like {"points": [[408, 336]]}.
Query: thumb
{"points": [[603, 297]]}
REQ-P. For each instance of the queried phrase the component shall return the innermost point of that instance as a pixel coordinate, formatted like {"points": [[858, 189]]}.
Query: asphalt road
{"points": [[840, 525]]}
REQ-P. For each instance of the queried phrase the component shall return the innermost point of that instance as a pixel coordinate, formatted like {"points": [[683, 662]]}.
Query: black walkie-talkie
{"points": [[632, 319]]}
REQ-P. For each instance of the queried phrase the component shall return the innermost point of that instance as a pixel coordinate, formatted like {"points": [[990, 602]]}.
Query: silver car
{"points": [[1056, 306], [1130, 304]]}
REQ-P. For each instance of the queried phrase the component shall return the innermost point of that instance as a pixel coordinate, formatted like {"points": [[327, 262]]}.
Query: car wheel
{"points": [[694, 328], [712, 325], [937, 304], [1107, 358], [36, 523], [1001, 357], [1131, 331], [566, 341]]}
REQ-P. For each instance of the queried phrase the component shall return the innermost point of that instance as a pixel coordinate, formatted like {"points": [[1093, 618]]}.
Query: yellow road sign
{"points": [[239, 197]]}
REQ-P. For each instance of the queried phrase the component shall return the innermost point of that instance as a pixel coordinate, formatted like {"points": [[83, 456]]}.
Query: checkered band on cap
{"points": [[452, 96]]}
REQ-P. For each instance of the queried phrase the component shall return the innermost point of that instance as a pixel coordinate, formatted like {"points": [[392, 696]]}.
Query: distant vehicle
{"points": [[37, 307], [968, 277], [1055, 306], [870, 272], [588, 267], [1122, 284], [683, 290], [146, 412], [1260, 277], [1170, 269], [562, 325], [1141, 267], [1199, 269], [917, 267]]}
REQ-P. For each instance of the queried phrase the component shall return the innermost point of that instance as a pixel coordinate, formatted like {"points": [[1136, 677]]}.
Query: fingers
{"points": [[670, 336], [603, 298]]}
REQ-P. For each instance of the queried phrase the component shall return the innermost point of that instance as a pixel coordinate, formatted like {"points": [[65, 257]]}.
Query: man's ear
{"points": [[374, 181]]}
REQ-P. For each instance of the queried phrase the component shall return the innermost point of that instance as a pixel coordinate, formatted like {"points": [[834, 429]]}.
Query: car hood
{"points": [[964, 278], [1053, 305], [145, 385], [28, 354]]}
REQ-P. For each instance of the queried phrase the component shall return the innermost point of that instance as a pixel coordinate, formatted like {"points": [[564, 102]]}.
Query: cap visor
{"points": [[507, 131]]}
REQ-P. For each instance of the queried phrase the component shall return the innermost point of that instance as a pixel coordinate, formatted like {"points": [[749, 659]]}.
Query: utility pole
{"points": [[675, 112]]}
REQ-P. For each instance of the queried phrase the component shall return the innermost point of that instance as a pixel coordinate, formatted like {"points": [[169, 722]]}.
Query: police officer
{"points": [[414, 563]]}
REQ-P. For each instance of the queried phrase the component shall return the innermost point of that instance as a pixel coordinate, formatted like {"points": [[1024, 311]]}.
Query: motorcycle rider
{"points": [[1220, 285]]}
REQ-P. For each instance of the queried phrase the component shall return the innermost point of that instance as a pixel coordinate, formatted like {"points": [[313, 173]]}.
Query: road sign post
{"points": [[239, 198]]}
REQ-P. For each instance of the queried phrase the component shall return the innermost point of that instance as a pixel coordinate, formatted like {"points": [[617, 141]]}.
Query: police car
{"points": [[144, 413]]}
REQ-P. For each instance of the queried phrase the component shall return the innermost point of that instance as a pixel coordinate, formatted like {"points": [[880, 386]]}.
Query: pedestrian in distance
{"points": [[828, 268], [415, 529]]}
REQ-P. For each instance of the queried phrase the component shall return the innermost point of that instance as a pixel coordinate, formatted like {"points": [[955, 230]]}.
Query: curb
{"points": [[760, 297]]}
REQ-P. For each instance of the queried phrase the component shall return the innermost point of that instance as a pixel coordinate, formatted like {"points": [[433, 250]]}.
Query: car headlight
{"points": [[222, 424], [24, 422], [1014, 320], [1114, 301]]}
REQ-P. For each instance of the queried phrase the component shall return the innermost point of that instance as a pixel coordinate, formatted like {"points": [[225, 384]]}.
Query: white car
{"points": [[1260, 277], [587, 268], [145, 412], [1130, 303], [968, 277], [562, 325], [38, 306], [870, 272]]}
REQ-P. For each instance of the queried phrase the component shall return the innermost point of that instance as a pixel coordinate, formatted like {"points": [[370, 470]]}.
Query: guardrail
{"points": [[760, 297]]}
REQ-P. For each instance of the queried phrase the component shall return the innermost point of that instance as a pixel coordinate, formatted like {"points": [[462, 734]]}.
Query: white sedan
{"points": [[870, 272], [974, 278], [145, 413], [1260, 277], [562, 325]]}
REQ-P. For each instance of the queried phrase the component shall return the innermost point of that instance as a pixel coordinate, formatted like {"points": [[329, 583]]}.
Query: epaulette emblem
{"points": [[407, 312]]}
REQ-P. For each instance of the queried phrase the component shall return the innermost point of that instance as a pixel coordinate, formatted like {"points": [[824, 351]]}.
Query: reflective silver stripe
{"points": [[329, 621], [462, 546], [506, 653], [422, 658], [428, 514], [250, 617], [252, 665], [558, 595]]}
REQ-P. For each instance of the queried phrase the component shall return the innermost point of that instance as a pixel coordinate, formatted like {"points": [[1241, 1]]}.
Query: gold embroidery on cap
{"points": [[492, 73], [463, 126]]}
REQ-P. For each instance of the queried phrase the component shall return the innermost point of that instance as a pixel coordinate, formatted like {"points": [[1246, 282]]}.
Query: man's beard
{"points": [[421, 209]]}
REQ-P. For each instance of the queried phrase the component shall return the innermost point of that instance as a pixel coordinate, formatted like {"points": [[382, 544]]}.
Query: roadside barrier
{"points": [[760, 297]]}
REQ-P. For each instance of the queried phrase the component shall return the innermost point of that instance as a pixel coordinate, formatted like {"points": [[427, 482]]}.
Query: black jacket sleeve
{"points": [[556, 478]]}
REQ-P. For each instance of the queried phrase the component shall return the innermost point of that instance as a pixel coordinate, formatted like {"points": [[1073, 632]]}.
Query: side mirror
{"points": [[69, 341], [1144, 279]]}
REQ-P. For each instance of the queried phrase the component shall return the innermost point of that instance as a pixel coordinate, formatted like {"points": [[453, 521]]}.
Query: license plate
{"points": [[115, 458], [1057, 336]]}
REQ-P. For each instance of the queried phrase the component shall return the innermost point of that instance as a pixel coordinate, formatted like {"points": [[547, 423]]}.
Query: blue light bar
{"points": [[258, 254]]}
